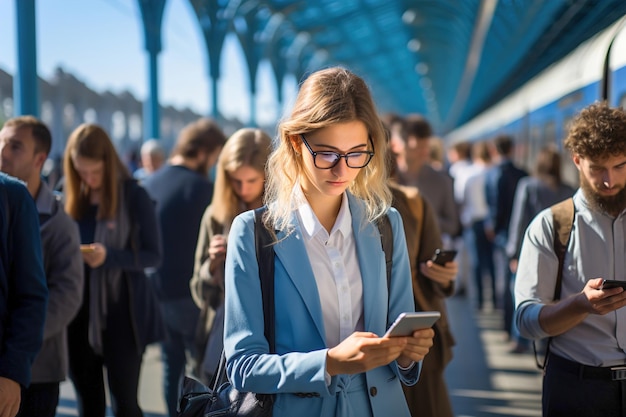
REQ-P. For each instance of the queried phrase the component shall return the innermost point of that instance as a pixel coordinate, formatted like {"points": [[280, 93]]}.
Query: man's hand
{"points": [[10, 397], [560, 317], [600, 301]]}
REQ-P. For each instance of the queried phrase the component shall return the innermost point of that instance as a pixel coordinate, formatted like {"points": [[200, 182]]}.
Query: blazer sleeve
{"points": [[206, 287], [401, 288]]}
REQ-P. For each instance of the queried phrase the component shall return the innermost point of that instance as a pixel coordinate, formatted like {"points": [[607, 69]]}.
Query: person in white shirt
{"points": [[473, 215], [326, 189]]}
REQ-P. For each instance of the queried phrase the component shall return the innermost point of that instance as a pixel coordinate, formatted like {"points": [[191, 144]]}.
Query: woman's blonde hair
{"points": [[326, 97], [92, 142], [246, 147]]}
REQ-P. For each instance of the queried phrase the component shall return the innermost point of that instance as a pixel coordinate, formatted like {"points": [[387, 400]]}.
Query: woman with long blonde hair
{"points": [[326, 190], [119, 316], [239, 185]]}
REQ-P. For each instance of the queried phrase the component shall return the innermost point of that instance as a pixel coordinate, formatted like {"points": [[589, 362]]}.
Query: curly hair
{"points": [[599, 131]]}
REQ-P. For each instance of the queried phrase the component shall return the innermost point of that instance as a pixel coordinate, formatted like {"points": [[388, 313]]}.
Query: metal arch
{"points": [[375, 38], [252, 45]]}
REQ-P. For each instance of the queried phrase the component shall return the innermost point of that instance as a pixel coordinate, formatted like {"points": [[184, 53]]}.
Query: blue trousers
{"points": [[181, 319]]}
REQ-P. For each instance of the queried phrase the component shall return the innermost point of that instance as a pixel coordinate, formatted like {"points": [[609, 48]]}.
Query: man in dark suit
{"points": [[500, 185]]}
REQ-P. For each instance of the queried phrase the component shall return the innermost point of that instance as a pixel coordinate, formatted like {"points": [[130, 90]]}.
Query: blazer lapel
{"points": [[293, 256], [373, 270]]}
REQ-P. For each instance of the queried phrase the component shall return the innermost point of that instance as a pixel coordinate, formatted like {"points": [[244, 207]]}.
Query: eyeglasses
{"points": [[328, 159]]}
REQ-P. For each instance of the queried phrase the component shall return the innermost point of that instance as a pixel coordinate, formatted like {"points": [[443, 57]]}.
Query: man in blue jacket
{"points": [[23, 292], [25, 143]]}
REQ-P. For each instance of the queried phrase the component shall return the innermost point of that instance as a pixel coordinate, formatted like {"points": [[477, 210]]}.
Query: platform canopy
{"points": [[447, 59]]}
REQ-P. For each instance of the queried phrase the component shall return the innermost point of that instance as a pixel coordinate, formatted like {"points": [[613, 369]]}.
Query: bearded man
{"points": [[585, 373]]}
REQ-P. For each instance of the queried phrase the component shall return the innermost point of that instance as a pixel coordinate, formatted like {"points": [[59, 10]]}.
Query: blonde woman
{"points": [[326, 189], [239, 184]]}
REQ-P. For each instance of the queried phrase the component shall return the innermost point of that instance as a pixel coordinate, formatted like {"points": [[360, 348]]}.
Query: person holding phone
{"points": [[584, 373], [433, 273], [119, 315], [239, 186], [25, 143], [325, 192]]}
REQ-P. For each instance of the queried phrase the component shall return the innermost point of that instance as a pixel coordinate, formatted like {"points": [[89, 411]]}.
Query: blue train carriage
{"points": [[538, 113]]}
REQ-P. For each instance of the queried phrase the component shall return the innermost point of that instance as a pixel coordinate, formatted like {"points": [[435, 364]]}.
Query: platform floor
{"points": [[484, 379]]}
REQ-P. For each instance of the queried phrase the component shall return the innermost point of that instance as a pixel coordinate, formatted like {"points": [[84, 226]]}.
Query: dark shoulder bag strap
{"points": [[386, 240], [563, 220], [263, 241]]}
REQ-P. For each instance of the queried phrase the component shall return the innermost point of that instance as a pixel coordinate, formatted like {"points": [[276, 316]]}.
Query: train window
{"points": [[535, 144], [622, 101], [549, 131]]}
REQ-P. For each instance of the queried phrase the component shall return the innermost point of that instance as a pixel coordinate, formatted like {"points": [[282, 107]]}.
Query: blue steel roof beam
{"points": [[485, 18], [274, 50], [248, 32], [215, 22], [502, 61], [574, 29], [442, 29], [593, 17], [389, 17]]}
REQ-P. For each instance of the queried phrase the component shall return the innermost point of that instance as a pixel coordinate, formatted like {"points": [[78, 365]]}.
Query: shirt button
{"points": [[373, 391]]}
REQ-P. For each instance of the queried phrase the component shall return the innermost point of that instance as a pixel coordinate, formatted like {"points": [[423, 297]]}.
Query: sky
{"points": [[101, 43]]}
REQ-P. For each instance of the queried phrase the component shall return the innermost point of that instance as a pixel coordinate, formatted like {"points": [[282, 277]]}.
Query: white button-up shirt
{"points": [[337, 273]]}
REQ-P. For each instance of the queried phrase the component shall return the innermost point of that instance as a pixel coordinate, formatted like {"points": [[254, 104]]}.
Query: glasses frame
{"points": [[339, 155]]}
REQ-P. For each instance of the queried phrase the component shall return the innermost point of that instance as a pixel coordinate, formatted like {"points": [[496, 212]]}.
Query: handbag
{"points": [[222, 399]]}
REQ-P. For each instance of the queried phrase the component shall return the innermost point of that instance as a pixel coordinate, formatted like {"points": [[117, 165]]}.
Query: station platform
{"points": [[484, 378]]}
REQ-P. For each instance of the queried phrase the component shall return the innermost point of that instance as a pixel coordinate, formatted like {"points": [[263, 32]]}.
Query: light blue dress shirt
{"points": [[596, 249]]}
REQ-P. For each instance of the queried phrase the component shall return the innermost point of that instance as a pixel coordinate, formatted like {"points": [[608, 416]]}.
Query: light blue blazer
{"points": [[300, 362]]}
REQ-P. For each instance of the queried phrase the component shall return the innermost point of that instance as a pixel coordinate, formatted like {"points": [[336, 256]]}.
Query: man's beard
{"points": [[612, 204]]}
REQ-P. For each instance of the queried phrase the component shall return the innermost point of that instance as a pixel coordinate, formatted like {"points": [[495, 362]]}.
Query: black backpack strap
{"points": [[386, 240], [263, 241], [563, 221]]}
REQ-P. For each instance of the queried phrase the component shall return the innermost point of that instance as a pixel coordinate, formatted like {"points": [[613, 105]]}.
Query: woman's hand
{"points": [[96, 256], [362, 351], [442, 274], [217, 251], [417, 347]]}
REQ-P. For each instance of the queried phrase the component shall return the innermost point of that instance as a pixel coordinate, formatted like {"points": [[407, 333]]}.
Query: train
{"points": [[539, 112]]}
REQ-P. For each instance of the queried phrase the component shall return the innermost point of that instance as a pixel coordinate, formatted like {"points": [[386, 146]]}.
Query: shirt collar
{"points": [[45, 199], [311, 226]]}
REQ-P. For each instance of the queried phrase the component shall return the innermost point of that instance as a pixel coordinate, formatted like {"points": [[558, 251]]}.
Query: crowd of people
{"points": [[107, 261]]}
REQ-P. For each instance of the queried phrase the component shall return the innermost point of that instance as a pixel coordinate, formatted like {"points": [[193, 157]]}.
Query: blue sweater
{"points": [[23, 289]]}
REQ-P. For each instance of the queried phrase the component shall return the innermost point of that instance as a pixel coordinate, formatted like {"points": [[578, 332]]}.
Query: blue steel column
{"points": [[253, 49], [152, 16], [215, 17], [25, 81]]}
